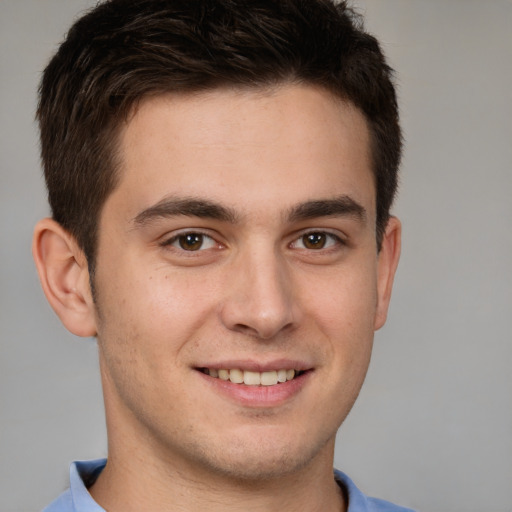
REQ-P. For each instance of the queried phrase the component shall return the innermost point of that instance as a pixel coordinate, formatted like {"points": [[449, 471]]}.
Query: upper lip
{"points": [[252, 365]]}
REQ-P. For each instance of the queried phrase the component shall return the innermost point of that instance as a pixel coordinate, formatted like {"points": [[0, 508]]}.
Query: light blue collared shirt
{"points": [[82, 474]]}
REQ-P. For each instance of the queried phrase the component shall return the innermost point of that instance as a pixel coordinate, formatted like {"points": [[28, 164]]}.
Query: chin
{"points": [[259, 460], [257, 468]]}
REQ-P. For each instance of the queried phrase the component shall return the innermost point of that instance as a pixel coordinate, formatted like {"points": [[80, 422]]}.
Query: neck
{"points": [[136, 484]]}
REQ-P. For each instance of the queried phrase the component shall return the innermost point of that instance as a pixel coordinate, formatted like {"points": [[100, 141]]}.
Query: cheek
{"points": [[343, 307], [152, 313], [142, 327], [343, 300]]}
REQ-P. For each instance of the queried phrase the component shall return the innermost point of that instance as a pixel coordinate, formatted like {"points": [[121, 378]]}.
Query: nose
{"points": [[260, 301]]}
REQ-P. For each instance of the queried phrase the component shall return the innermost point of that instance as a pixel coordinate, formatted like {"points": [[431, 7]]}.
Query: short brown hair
{"points": [[125, 50]]}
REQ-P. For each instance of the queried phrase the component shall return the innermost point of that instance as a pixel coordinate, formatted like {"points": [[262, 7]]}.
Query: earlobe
{"points": [[388, 258], [64, 276]]}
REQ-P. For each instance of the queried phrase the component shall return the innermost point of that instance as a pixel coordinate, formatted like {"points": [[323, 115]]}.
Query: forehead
{"points": [[286, 144]]}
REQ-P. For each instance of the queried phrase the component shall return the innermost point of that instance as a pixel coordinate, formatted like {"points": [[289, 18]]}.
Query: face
{"points": [[238, 280]]}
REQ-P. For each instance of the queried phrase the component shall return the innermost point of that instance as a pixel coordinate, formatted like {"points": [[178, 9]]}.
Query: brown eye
{"points": [[317, 240], [190, 241], [314, 240]]}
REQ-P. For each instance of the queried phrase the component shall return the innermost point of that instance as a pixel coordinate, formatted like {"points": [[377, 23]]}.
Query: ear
{"points": [[388, 257], [64, 276]]}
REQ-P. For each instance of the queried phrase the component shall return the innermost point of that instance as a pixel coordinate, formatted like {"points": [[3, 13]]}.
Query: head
{"points": [[226, 169], [124, 51]]}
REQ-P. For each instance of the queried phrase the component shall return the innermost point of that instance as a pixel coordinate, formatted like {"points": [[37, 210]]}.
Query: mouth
{"points": [[253, 378]]}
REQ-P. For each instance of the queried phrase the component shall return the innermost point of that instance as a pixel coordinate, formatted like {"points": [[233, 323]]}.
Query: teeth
{"points": [[253, 378], [223, 374], [236, 376], [269, 378]]}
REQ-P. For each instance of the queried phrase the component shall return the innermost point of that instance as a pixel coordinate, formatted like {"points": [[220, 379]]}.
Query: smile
{"points": [[250, 378]]}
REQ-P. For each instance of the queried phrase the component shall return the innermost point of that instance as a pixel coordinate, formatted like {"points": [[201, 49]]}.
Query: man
{"points": [[220, 174]]}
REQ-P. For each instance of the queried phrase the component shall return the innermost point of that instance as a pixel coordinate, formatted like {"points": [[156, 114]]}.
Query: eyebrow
{"points": [[187, 207], [203, 208], [336, 207]]}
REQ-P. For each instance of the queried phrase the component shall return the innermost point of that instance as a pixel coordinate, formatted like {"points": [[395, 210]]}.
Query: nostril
{"points": [[264, 331], [245, 329]]}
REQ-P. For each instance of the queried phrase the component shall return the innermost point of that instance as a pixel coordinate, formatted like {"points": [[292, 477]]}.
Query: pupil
{"points": [[191, 241], [314, 240]]}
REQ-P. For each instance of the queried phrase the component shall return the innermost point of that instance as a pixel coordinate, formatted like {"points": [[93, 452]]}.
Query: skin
{"points": [[241, 169]]}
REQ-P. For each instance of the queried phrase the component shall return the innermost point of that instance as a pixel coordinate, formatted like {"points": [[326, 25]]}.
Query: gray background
{"points": [[433, 426]]}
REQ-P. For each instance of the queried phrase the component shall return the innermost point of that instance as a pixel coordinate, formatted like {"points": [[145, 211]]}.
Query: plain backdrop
{"points": [[433, 426]]}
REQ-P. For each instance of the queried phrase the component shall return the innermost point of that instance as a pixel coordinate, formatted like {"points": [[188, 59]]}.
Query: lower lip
{"points": [[258, 396]]}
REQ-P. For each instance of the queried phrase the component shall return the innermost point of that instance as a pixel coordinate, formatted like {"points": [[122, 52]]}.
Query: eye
{"points": [[191, 241], [316, 240]]}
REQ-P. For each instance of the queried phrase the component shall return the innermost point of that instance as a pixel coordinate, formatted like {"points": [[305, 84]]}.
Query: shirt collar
{"points": [[82, 474]]}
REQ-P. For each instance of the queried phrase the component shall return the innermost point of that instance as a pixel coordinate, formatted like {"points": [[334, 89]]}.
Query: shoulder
{"points": [[359, 502]]}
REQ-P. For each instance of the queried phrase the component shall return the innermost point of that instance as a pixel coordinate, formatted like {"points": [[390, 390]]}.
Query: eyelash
{"points": [[331, 240], [176, 240]]}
